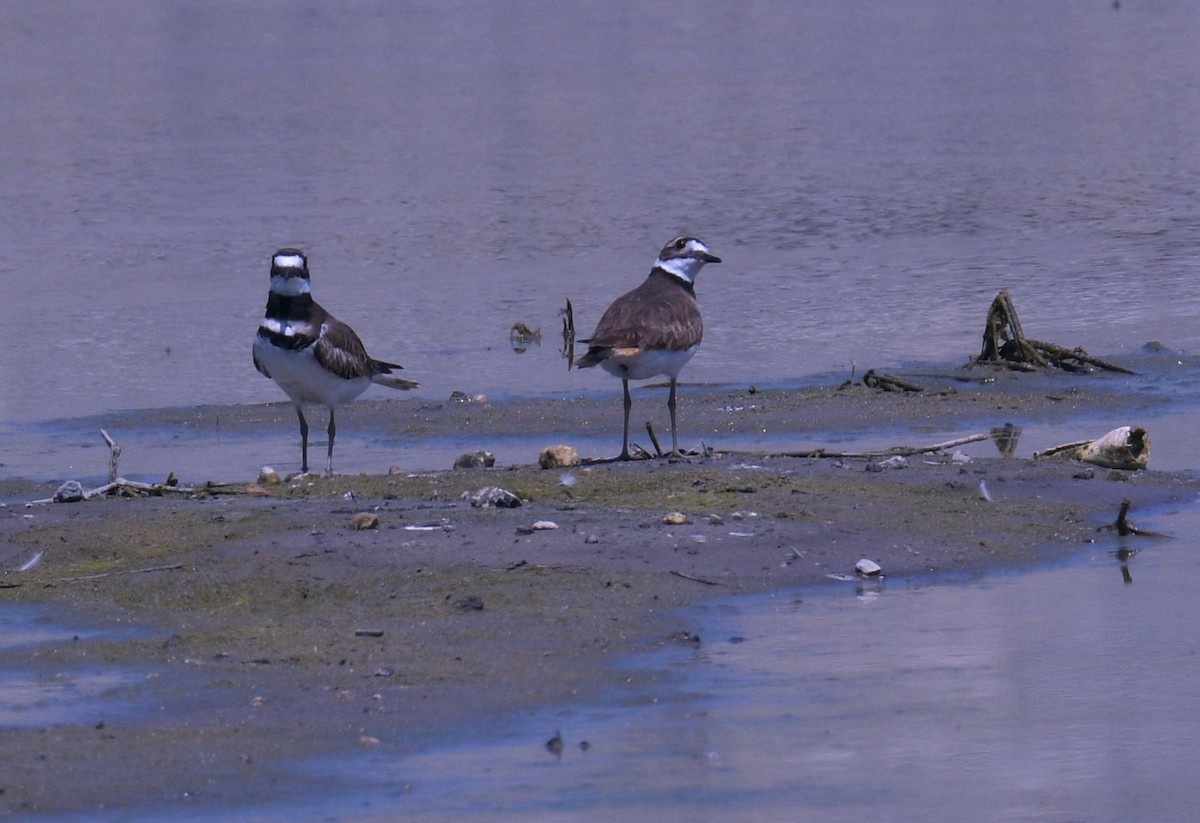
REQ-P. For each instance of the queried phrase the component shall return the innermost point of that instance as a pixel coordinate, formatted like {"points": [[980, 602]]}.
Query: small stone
{"points": [[384, 671], [267, 476], [868, 568], [898, 461], [592, 539], [675, 519], [478, 459], [470, 603], [69, 492], [715, 520], [364, 520], [544, 525], [558, 457], [493, 497]]}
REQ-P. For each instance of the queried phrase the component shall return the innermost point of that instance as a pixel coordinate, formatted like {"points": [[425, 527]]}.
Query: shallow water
{"points": [[39, 699], [1065, 694], [871, 176]]}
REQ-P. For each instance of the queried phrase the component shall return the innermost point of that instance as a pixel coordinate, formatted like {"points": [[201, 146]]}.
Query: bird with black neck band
{"points": [[654, 329], [314, 357]]}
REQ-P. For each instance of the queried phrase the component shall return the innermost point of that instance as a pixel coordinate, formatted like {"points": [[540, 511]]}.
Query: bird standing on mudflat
{"points": [[313, 356], [654, 329]]}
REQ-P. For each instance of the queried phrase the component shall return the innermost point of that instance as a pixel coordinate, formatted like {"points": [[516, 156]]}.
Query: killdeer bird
{"points": [[313, 356], [654, 329]]}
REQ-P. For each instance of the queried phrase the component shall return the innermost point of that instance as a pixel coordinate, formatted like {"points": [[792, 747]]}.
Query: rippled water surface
{"points": [[871, 173]]}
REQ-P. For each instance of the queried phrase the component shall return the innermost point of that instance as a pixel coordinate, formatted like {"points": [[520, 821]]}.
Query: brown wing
{"points": [[340, 351], [659, 314]]}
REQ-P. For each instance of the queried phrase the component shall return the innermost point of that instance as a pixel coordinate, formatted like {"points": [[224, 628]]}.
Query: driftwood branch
{"points": [[114, 456], [695, 579], [1005, 343], [172, 567], [1123, 527], [133, 487], [1125, 447], [653, 440], [568, 334], [894, 451], [887, 382]]}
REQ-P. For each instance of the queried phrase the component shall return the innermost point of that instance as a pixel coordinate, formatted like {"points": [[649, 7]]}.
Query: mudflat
{"points": [[267, 623]]}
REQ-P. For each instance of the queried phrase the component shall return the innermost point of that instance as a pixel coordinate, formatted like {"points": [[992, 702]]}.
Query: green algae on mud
{"points": [[270, 629]]}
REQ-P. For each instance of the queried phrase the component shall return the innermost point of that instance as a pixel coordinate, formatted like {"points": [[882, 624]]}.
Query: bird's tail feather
{"points": [[393, 382]]}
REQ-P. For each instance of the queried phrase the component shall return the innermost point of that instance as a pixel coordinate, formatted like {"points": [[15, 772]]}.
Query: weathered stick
{"points": [[568, 333], [654, 440], [114, 455], [902, 451], [121, 484], [1123, 527], [1062, 357], [887, 382], [1125, 447], [695, 579], [172, 567]]}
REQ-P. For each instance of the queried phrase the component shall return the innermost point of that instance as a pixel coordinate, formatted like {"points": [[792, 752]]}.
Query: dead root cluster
{"points": [[1005, 343]]}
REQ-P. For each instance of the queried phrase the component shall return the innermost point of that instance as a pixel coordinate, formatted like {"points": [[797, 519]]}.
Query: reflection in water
{"points": [[1006, 438]]}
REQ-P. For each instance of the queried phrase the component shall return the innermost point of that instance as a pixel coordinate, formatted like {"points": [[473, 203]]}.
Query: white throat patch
{"points": [[289, 286], [685, 268]]}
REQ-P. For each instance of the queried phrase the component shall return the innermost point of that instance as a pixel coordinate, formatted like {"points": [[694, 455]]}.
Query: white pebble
{"points": [[868, 568]]}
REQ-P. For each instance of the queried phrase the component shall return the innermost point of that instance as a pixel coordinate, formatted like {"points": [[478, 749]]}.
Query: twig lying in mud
{"points": [[875, 380], [154, 489], [695, 579], [170, 568], [1123, 527], [654, 440], [902, 451]]}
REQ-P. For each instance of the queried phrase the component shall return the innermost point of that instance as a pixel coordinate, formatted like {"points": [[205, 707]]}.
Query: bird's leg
{"points": [[625, 435], [332, 432], [674, 432], [303, 441]]}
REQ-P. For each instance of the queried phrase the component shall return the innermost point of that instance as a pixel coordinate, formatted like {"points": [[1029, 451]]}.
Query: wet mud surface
{"points": [[266, 626]]}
